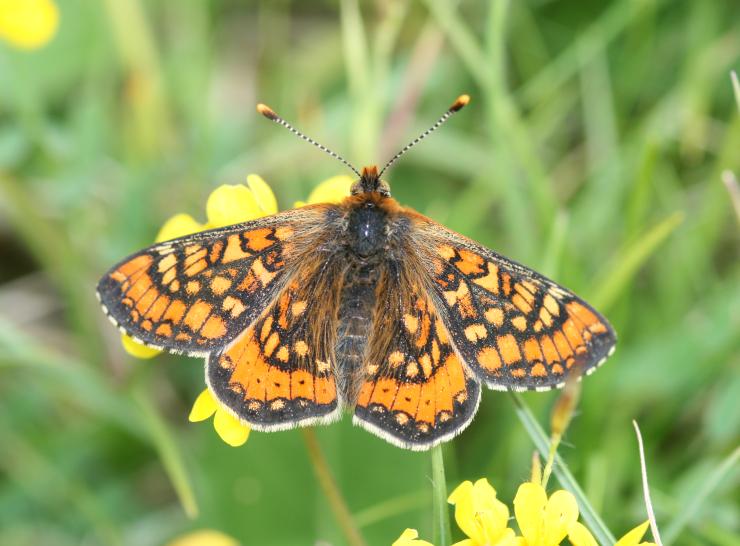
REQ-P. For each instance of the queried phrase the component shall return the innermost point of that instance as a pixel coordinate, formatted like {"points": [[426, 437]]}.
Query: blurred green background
{"points": [[593, 150]]}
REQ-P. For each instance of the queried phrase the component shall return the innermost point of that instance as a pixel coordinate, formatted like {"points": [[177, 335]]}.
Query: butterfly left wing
{"points": [[279, 373], [514, 328], [196, 293], [415, 392]]}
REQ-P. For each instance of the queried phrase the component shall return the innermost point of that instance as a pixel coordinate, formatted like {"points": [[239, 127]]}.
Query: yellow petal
{"points": [[529, 505], [480, 515], [138, 350], [178, 226], [263, 194], [561, 512], [230, 429], [331, 190], [492, 514], [633, 537], [461, 491], [410, 537], [203, 407], [28, 24], [232, 204], [465, 511], [579, 535], [204, 537]]}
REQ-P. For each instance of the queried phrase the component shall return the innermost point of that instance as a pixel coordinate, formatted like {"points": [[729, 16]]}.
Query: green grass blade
{"points": [[627, 263], [168, 451], [391, 507], [689, 510]]}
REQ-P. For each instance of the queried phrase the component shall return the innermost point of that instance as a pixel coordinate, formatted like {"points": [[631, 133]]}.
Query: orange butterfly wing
{"points": [[279, 373], [416, 392], [196, 293], [514, 328]]}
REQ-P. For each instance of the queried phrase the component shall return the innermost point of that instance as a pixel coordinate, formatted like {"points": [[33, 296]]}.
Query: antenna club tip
{"points": [[266, 111], [460, 102]]}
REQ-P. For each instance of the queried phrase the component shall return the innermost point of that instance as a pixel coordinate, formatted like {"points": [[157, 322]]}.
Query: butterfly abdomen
{"points": [[354, 325]]}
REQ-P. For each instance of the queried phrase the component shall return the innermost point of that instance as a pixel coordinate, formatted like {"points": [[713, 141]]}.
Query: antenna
{"points": [[461, 101], [270, 114]]}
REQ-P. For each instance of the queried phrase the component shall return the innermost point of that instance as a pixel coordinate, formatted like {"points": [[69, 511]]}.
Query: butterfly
{"points": [[364, 306]]}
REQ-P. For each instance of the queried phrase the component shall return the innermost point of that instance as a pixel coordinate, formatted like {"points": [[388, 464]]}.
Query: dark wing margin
{"points": [[196, 293], [416, 393], [514, 328]]}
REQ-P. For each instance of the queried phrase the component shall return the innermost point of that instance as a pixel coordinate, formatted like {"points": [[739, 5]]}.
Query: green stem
{"points": [[442, 534], [554, 442], [168, 451], [336, 502]]}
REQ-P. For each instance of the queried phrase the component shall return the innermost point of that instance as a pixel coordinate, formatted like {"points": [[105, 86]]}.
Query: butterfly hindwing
{"points": [[196, 293], [416, 392], [279, 373], [513, 327]]}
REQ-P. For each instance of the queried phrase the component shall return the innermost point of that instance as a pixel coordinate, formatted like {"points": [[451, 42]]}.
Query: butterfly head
{"points": [[370, 181]]}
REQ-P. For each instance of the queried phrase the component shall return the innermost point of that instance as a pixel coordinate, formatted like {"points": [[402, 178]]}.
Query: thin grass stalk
{"points": [[440, 514], [689, 510], [168, 451], [330, 488]]}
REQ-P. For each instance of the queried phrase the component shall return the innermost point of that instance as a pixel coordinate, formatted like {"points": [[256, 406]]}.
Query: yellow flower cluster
{"points": [[542, 520], [28, 24], [227, 205]]}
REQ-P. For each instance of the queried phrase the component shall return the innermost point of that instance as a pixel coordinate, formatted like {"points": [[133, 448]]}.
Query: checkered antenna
{"points": [[270, 114], [461, 101]]}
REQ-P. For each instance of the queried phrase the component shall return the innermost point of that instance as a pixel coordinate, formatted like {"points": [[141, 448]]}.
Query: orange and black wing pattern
{"points": [[196, 293], [515, 329], [279, 373], [415, 391]]}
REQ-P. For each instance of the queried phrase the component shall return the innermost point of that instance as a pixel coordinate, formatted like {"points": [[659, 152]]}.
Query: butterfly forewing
{"points": [[513, 327], [196, 293]]}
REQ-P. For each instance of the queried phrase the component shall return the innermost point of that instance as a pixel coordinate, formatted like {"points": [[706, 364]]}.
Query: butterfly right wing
{"points": [[196, 293], [415, 391], [516, 329]]}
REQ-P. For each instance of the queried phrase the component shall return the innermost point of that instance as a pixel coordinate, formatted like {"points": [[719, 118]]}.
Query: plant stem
{"points": [[331, 490], [442, 534]]}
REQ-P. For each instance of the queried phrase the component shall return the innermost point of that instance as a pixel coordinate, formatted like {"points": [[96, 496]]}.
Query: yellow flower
{"points": [[480, 515], [410, 537], [331, 190], [634, 537], [229, 428], [543, 521], [229, 205], [204, 537], [28, 24]]}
